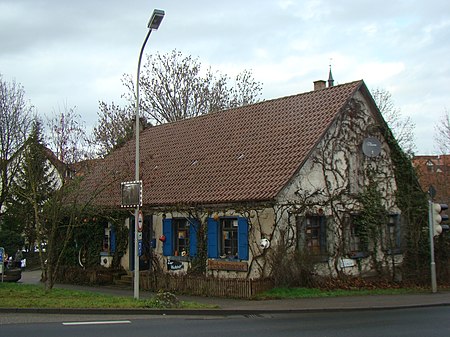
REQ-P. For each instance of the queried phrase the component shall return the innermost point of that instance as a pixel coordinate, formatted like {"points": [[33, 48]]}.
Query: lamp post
{"points": [[154, 23]]}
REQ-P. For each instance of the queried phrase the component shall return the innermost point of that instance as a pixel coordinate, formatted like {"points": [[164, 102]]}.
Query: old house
{"points": [[225, 191]]}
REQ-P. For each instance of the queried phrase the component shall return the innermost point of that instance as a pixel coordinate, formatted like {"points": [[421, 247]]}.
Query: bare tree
{"points": [[442, 136], [173, 87], [114, 127], [67, 136], [15, 123], [245, 91], [402, 127], [62, 216]]}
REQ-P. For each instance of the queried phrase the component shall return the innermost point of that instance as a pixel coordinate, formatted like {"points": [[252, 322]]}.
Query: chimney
{"points": [[319, 85]]}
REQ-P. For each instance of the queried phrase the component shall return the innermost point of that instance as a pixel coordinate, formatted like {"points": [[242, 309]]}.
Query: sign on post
{"points": [[140, 221], [131, 194], [140, 248], [139, 234]]}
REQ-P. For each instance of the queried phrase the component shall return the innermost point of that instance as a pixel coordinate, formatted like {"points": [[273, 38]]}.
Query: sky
{"points": [[75, 53]]}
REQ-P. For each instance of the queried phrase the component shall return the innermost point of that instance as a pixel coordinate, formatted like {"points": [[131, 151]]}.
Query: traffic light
{"points": [[438, 218]]}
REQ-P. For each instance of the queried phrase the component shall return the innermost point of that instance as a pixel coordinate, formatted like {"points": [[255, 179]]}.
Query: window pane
{"points": [[393, 235], [181, 239], [357, 236], [229, 237], [315, 235]]}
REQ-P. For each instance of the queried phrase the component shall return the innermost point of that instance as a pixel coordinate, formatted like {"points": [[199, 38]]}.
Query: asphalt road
{"points": [[413, 322]]}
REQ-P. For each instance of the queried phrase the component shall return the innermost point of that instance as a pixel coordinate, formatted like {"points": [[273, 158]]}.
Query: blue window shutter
{"points": [[112, 240], [193, 230], [243, 238], [168, 233], [213, 238]]}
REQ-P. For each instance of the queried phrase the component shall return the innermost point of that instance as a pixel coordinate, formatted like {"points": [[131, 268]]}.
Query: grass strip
{"points": [[16, 295], [292, 293]]}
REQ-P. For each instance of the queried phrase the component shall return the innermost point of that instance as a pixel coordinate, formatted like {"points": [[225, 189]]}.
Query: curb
{"points": [[204, 312]]}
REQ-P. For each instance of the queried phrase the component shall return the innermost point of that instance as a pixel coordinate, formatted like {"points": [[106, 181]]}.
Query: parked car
{"points": [[10, 274]]}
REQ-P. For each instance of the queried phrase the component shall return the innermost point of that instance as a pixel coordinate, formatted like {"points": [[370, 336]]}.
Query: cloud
{"points": [[77, 52]]}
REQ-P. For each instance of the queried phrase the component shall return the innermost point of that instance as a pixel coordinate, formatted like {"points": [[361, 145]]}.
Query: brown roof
{"points": [[434, 170], [243, 154]]}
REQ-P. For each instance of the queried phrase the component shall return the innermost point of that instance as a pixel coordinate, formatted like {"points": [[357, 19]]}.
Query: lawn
{"points": [[16, 295], [280, 293]]}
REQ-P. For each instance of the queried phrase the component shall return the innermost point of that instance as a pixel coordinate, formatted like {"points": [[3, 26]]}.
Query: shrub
{"points": [[164, 300], [291, 269]]}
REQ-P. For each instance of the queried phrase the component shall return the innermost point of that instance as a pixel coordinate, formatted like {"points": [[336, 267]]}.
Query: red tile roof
{"points": [[434, 170], [243, 154]]}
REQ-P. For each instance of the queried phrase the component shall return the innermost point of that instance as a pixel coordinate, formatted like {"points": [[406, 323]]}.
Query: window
{"points": [[228, 238], [181, 237], [313, 234], [357, 241], [430, 166], [354, 238], [394, 234]]}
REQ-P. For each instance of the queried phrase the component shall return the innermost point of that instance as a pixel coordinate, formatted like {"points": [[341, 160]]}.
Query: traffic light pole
{"points": [[431, 230]]}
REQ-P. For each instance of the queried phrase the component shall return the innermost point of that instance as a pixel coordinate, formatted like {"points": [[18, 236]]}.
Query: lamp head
{"points": [[156, 19]]}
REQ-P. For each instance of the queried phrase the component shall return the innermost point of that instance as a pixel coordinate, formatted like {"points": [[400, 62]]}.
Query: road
{"points": [[417, 322]]}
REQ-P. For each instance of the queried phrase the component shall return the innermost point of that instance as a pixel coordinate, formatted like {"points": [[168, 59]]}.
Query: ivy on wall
{"points": [[371, 221], [412, 202], [86, 242]]}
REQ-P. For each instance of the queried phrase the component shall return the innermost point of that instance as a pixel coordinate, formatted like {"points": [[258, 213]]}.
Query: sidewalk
{"points": [[246, 307]]}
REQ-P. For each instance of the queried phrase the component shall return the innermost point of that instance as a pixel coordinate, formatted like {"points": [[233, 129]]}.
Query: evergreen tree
{"points": [[33, 186]]}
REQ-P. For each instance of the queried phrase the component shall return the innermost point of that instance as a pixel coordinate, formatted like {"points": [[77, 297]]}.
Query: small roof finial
{"points": [[330, 77]]}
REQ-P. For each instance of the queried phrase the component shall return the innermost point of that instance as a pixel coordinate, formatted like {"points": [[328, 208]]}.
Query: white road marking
{"points": [[96, 323]]}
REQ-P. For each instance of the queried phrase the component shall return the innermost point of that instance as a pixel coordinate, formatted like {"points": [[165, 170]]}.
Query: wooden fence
{"points": [[178, 284], [205, 286]]}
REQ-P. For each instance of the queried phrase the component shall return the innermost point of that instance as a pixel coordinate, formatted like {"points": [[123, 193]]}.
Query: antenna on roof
{"points": [[330, 77]]}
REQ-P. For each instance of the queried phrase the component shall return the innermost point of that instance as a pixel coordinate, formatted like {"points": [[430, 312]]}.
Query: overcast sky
{"points": [[74, 53]]}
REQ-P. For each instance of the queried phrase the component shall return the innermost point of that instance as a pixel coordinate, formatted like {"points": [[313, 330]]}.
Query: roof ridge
{"points": [[335, 87]]}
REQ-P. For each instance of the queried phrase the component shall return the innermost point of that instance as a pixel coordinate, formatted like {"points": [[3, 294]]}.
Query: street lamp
{"points": [[154, 23]]}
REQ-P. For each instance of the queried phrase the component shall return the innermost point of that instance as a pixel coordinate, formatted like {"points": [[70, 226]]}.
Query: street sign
{"points": [[140, 221], [139, 247]]}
